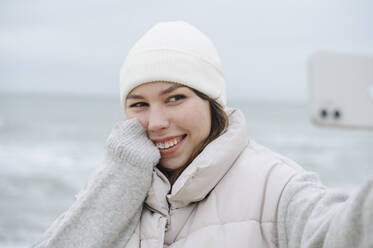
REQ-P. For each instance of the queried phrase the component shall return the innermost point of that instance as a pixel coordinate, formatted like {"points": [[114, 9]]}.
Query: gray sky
{"points": [[78, 46]]}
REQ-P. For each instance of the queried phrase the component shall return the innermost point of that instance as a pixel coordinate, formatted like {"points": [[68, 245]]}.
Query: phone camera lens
{"points": [[337, 114], [323, 113]]}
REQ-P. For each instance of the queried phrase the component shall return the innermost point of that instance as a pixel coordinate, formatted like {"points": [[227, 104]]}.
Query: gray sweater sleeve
{"points": [[108, 209], [310, 215]]}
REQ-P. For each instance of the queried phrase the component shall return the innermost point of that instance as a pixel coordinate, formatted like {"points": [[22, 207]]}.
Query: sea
{"points": [[49, 144]]}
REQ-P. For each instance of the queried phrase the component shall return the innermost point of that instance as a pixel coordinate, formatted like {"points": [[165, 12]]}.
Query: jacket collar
{"points": [[206, 170]]}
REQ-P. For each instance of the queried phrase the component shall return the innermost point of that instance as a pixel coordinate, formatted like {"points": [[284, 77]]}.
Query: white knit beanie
{"points": [[174, 52]]}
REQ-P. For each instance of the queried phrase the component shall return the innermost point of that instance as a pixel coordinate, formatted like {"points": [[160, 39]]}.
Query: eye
{"points": [[175, 98], [138, 105]]}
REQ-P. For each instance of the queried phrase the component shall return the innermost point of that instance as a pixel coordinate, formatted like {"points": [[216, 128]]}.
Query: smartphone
{"points": [[340, 89]]}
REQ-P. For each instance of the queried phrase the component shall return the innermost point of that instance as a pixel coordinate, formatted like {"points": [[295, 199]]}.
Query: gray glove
{"points": [[108, 209], [128, 141]]}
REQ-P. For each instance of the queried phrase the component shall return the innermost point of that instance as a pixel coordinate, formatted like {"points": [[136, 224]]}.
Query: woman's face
{"points": [[174, 117]]}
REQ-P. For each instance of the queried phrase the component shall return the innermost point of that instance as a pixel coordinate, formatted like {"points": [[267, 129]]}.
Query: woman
{"points": [[180, 171]]}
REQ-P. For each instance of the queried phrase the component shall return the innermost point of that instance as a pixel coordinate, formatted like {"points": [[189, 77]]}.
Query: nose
{"points": [[157, 120]]}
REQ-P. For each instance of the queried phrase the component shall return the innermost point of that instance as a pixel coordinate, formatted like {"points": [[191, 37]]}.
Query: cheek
{"points": [[140, 117], [197, 118], [204, 122], [130, 115]]}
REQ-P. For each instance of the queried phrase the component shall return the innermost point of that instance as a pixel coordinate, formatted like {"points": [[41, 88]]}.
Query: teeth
{"points": [[168, 144]]}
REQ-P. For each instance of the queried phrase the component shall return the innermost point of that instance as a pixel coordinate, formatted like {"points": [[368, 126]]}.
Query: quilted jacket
{"points": [[227, 197]]}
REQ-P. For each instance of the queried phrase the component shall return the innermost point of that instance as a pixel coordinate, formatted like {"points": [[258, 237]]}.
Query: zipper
{"points": [[167, 217]]}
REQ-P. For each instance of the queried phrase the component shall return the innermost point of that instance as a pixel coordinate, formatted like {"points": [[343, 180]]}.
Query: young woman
{"points": [[180, 171]]}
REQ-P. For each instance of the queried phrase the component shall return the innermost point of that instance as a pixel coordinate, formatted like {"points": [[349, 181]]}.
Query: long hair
{"points": [[219, 123]]}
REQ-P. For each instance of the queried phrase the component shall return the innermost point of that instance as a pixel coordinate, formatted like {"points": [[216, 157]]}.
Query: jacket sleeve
{"points": [[310, 215], [107, 211]]}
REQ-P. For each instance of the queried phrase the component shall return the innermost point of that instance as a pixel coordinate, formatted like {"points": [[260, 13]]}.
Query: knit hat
{"points": [[175, 52]]}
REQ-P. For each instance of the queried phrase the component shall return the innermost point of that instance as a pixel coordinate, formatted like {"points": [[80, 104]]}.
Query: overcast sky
{"points": [[77, 47]]}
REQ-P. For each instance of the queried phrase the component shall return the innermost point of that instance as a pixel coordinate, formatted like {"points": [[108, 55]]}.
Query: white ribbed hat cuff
{"points": [[172, 66]]}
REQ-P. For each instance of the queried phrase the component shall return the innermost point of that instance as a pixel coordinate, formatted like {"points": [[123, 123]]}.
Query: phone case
{"points": [[341, 89]]}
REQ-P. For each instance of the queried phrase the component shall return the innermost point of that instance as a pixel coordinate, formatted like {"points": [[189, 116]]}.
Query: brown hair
{"points": [[219, 123]]}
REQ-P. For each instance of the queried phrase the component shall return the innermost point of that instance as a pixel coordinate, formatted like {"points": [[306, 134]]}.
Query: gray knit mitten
{"points": [[128, 141], [107, 211]]}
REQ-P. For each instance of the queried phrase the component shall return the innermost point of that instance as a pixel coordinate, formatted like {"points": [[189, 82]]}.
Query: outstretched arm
{"points": [[310, 215], [108, 209]]}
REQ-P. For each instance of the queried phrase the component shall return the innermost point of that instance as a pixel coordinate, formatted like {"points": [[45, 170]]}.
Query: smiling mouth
{"points": [[170, 143]]}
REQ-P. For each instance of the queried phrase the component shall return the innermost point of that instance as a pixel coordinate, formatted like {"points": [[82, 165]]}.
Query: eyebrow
{"points": [[170, 89], [134, 97], [163, 92]]}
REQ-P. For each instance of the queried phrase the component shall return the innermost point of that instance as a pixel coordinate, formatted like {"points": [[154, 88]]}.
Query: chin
{"points": [[169, 165]]}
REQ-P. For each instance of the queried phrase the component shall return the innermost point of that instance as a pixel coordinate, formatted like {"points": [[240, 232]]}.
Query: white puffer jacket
{"points": [[227, 197], [234, 194]]}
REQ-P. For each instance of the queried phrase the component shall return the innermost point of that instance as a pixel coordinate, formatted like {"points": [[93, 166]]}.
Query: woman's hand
{"points": [[108, 209], [128, 141]]}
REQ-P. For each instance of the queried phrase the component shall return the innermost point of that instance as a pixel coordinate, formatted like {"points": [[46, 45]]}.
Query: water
{"points": [[49, 145]]}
